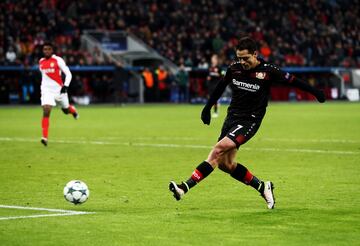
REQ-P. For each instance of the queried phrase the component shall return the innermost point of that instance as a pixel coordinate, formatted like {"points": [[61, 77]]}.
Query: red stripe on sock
{"points": [[248, 177], [45, 126], [197, 176]]}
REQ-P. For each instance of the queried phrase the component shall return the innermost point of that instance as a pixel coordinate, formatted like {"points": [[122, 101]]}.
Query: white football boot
{"points": [[268, 194], [178, 193]]}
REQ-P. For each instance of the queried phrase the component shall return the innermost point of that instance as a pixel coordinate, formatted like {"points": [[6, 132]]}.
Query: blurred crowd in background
{"points": [[290, 33], [188, 32]]}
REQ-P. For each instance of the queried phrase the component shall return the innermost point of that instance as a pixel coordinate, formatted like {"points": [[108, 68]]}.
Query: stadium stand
{"points": [[310, 33], [289, 33]]}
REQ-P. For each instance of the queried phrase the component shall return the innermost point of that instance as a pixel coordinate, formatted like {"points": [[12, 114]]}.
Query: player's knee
{"points": [[219, 152], [46, 111], [65, 110]]}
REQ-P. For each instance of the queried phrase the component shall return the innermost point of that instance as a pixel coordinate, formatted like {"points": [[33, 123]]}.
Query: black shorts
{"points": [[239, 129]]}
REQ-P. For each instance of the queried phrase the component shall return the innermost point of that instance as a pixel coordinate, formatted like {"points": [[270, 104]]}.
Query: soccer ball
{"points": [[76, 192]]}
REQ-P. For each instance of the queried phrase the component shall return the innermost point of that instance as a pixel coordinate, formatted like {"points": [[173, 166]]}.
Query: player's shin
{"points": [[201, 172], [45, 127], [242, 174]]}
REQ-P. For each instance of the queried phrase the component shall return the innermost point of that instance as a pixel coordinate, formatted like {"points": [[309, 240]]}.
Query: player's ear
{"points": [[255, 54]]}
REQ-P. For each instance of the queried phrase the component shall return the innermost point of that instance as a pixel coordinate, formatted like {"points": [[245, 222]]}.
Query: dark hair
{"points": [[247, 43], [47, 43]]}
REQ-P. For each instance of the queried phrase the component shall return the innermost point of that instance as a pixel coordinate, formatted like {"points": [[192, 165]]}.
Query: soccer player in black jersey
{"points": [[212, 80], [250, 79]]}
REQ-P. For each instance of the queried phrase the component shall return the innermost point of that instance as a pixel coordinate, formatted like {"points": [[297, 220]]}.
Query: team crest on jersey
{"points": [[52, 64], [260, 75]]}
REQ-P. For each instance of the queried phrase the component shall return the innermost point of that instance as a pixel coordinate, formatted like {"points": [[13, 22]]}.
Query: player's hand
{"points": [[64, 89], [206, 115], [320, 96]]}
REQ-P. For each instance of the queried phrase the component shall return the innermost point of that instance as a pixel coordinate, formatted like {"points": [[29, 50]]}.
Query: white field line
{"points": [[38, 216], [153, 138], [258, 139], [311, 140], [58, 212], [164, 145]]}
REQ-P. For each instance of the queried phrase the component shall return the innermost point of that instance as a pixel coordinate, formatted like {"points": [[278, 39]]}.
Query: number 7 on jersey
{"points": [[236, 129]]}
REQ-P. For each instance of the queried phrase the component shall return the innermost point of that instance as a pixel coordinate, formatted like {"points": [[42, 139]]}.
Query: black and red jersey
{"points": [[251, 88]]}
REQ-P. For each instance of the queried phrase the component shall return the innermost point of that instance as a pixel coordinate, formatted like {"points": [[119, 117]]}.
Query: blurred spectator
{"points": [[27, 80], [203, 64], [2, 57], [11, 56], [182, 80], [149, 85], [119, 83], [98, 56], [162, 77], [265, 50]]}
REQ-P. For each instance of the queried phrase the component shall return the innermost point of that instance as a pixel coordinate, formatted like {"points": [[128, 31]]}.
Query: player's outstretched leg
{"points": [[201, 172], [72, 110]]}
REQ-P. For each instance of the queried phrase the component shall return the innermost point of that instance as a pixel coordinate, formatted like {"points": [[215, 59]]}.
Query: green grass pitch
{"points": [[127, 155]]}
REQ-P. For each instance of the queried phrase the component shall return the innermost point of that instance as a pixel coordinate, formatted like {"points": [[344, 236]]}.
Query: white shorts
{"points": [[51, 98]]}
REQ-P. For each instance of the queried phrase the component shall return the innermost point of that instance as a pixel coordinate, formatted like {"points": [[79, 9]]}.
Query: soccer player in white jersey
{"points": [[53, 89]]}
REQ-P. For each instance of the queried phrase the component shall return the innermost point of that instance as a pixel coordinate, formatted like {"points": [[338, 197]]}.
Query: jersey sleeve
{"points": [[288, 79], [279, 76], [227, 76], [219, 89], [65, 69]]}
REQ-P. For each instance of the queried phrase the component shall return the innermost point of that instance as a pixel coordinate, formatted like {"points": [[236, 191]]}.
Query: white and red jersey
{"points": [[51, 73]]}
